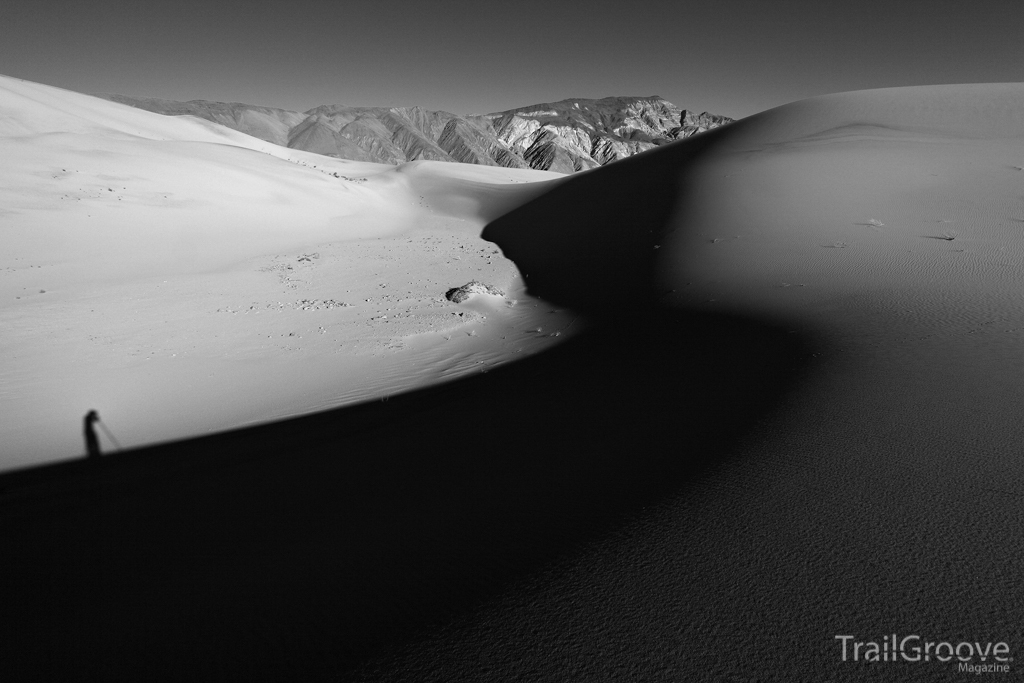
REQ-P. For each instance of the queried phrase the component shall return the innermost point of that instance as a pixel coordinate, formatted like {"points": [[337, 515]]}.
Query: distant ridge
{"points": [[566, 136]]}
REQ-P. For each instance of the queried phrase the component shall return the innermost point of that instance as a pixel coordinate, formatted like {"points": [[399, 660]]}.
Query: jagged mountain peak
{"points": [[600, 130], [569, 135], [614, 102]]}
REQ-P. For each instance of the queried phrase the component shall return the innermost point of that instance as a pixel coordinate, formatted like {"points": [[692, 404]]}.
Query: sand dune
{"points": [[882, 494], [792, 415], [135, 243]]}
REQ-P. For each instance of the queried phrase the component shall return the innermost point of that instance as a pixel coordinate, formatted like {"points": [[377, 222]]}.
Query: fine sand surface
{"points": [[884, 490], [790, 413], [181, 278]]}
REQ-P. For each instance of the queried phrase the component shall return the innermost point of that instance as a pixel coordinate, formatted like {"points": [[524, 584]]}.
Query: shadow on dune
{"points": [[592, 242], [297, 550]]}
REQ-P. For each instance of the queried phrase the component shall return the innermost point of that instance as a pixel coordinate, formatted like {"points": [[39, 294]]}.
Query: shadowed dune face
{"points": [[884, 493], [783, 185], [299, 549], [594, 240], [830, 209]]}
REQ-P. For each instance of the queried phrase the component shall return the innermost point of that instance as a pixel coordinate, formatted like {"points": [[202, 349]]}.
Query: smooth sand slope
{"points": [[792, 415], [180, 277], [884, 492]]}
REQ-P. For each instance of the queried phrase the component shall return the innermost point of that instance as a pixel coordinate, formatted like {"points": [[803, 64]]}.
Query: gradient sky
{"points": [[732, 57]]}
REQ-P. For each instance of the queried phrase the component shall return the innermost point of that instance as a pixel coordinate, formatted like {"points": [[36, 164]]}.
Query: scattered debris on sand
{"points": [[460, 294]]}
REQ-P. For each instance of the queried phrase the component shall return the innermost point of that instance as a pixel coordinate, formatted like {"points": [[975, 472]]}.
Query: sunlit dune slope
{"points": [[105, 189], [123, 230]]}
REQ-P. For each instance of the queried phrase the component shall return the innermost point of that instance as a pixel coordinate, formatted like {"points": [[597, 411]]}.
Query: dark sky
{"points": [[733, 57]]}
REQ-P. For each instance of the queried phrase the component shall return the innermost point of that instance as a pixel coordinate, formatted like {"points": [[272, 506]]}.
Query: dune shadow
{"points": [[300, 549], [303, 547], [591, 243]]}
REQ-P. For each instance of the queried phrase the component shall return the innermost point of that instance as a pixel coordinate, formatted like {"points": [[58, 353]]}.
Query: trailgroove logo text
{"points": [[972, 657]]}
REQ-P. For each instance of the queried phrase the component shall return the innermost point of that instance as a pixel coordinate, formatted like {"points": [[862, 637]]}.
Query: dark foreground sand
{"points": [[883, 492], [295, 551]]}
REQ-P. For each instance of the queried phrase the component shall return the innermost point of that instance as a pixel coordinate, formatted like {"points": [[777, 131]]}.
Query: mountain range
{"points": [[565, 136]]}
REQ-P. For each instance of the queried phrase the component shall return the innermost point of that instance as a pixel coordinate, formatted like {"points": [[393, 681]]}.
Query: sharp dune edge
{"points": [[791, 414]]}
